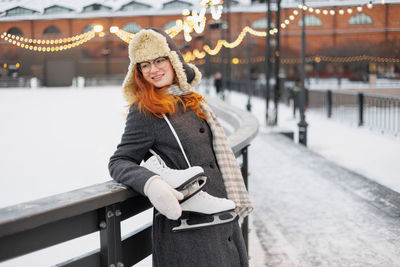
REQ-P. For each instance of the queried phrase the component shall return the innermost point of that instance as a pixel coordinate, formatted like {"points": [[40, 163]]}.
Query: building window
{"points": [[15, 31], [360, 19], [177, 4], [261, 24], [18, 11], [170, 24], [51, 30], [134, 6], [132, 27], [56, 10], [95, 7], [311, 21], [88, 28], [218, 25]]}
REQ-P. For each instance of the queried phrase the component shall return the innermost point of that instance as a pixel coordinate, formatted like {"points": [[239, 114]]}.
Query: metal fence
{"points": [[376, 112], [383, 113], [35, 225], [6, 82], [115, 80]]}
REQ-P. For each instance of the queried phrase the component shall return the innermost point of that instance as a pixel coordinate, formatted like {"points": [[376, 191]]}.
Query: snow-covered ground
{"points": [[59, 139], [364, 151]]}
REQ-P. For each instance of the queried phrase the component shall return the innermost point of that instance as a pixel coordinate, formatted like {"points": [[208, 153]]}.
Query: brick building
{"points": [[338, 28]]}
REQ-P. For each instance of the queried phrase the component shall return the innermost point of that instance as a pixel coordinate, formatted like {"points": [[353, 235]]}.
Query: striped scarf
{"points": [[231, 174]]}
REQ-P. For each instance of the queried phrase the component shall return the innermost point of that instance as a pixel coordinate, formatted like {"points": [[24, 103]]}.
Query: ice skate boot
{"points": [[188, 181], [221, 209]]}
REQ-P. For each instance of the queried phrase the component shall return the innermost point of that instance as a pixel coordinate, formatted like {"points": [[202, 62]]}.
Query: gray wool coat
{"points": [[219, 245]]}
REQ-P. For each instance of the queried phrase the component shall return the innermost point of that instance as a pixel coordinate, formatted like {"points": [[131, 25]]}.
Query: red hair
{"points": [[158, 102]]}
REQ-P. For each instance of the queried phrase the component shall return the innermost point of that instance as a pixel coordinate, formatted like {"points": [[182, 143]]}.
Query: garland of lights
{"points": [[53, 45], [326, 11], [316, 59]]}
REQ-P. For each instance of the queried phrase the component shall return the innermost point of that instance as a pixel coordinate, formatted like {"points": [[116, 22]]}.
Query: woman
{"points": [[159, 87]]}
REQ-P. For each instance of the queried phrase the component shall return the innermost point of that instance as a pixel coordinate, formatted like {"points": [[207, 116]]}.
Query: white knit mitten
{"points": [[163, 197]]}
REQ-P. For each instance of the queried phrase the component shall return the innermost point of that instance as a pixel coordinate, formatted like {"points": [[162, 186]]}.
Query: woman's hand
{"points": [[163, 197]]}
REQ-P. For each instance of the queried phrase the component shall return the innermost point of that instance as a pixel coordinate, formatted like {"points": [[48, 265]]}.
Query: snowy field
{"points": [[367, 152], [59, 139]]}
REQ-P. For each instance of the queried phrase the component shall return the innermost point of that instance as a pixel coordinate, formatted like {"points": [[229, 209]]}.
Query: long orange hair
{"points": [[158, 102]]}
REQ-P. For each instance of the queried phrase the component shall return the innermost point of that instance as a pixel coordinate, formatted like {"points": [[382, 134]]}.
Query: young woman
{"points": [[167, 118]]}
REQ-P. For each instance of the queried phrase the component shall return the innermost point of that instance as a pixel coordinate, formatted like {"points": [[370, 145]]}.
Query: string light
{"points": [[21, 39], [317, 59], [52, 45], [332, 11]]}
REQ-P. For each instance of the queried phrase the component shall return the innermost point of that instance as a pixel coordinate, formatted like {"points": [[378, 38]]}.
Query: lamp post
{"points": [[303, 124], [228, 38], [277, 63], [267, 59], [249, 83]]}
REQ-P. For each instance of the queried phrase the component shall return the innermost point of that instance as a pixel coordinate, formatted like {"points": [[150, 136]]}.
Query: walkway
{"points": [[312, 212]]}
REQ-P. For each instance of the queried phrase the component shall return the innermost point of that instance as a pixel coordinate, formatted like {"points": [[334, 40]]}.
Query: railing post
{"points": [[110, 236], [245, 174], [360, 109], [329, 100]]}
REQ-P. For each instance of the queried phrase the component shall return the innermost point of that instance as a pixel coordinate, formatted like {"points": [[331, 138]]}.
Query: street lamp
{"points": [[267, 59], [249, 83], [277, 63], [303, 124]]}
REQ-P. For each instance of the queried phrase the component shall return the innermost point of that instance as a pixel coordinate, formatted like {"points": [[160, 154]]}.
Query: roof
{"points": [[155, 7]]}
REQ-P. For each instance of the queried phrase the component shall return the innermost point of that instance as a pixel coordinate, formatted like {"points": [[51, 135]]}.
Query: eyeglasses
{"points": [[159, 63]]}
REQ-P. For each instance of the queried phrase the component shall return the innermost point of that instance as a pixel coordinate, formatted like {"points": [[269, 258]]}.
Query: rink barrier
{"points": [[38, 224], [372, 111], [376, 112]]}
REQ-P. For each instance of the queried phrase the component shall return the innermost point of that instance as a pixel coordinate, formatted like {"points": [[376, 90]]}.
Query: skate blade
{"points": [[184, 226], [190, 189]]}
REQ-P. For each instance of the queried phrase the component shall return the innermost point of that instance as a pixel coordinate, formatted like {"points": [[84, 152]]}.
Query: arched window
{"points": [[132, 27], [222, 24], [169, 24], [95, 7], [134, 6], [51, 30], [56, 10], [311, 21], [88, 28], [15, 31], [360, 19], [261, 24]]}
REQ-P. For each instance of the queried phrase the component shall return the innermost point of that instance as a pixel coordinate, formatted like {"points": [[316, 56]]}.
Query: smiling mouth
{"points": [[157, 77]]}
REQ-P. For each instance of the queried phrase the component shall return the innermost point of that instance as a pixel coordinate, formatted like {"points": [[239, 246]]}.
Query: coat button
{"points": [[202, 130], [211, 166], [229, 239]]}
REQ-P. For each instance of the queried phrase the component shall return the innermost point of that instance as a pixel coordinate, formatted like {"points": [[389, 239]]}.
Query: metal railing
{"points": [[35, 225], [6, 82], [376, 112], [373, 111], [112, 80]]}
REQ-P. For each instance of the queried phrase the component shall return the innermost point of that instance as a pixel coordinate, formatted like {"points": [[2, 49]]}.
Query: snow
{"points": [[367, 152], [60, 139]]}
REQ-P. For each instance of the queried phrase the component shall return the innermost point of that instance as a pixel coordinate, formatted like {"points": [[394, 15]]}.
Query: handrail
{"points": [[41, 223]]}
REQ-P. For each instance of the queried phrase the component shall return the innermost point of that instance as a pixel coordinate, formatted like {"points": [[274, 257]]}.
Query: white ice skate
{"points": [[188, 181], [221, 209]]}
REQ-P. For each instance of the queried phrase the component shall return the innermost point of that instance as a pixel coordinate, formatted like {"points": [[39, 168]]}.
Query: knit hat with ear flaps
{"points": [[152, 43]]}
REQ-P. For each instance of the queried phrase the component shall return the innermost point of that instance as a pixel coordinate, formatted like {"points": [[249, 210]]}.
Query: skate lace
{"points": [[205, 195], [160, 166]]}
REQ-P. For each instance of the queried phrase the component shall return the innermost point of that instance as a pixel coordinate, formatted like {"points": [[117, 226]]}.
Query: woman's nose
{"points": [[153, 68]]}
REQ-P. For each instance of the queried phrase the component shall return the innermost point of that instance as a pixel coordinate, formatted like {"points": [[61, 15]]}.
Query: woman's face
{"points": [[158, 72]]}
